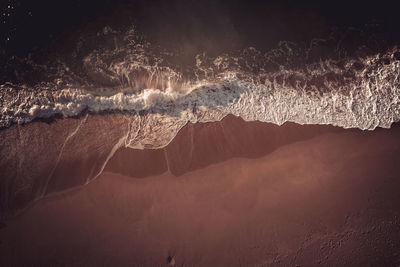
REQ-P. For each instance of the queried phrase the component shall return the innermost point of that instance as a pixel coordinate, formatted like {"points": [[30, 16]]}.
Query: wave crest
{"points": [[277, 86]]}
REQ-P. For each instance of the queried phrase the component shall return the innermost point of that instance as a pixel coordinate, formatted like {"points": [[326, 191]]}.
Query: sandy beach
{"points": [[228, 193]]}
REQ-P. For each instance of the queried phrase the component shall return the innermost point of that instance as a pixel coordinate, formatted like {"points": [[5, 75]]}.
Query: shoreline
{"points": [[74, 147]]}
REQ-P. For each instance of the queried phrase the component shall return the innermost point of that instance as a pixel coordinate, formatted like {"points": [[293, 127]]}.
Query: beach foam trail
{"points": [[281, 85]]}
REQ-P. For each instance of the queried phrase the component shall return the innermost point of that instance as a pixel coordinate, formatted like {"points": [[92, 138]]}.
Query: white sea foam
{"points": [[355, 93]]}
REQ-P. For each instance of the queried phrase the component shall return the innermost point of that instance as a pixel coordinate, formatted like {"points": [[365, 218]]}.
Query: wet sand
{"points": [[202, 144], [291, 195]]}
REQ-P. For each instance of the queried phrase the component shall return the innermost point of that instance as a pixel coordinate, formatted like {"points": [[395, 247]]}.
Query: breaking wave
{"points": [[281, 85]]}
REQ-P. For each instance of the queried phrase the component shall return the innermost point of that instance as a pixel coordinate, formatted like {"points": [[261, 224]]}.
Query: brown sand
{"points": [[199, 145], [40, 158], [331, 198]]}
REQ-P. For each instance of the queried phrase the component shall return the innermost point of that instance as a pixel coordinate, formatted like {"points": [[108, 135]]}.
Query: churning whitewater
{"points": [[278, 86]]}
